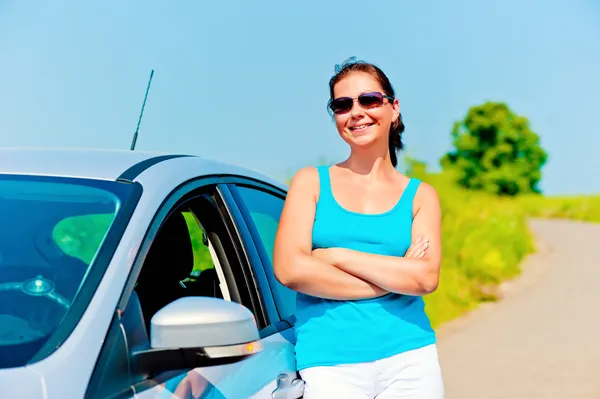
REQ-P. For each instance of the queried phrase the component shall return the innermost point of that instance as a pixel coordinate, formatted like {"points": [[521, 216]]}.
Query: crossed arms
{"points": [[339, 273]]}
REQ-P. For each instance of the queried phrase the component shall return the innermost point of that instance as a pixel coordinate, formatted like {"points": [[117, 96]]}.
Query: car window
{"points": [[80, 236], [52, 230], [264, 210], [178, 264]]}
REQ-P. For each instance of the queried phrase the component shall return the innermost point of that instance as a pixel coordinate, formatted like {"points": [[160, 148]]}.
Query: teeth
{"points": [[360, 127]]}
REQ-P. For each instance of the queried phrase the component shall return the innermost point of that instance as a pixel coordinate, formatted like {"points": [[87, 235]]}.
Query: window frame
{"points": [[254, 260], [233, 183]]}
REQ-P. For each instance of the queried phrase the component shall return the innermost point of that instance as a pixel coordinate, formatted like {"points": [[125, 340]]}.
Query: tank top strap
{"points": [[324, 183], [410, 191]]}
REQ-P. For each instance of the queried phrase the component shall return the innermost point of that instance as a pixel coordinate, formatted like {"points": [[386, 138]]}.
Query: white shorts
{"points": [[414, 374]]}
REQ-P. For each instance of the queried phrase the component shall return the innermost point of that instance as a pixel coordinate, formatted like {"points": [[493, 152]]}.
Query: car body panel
{"points": [[111, 164], [249, 379], [91, 163], [22, 383]]}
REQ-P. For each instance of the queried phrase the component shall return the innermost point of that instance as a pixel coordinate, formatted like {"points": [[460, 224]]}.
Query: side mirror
{"points": [[198, 332]]}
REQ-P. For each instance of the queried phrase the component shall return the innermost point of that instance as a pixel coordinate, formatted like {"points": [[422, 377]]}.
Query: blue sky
{"points": [[246, 81]]}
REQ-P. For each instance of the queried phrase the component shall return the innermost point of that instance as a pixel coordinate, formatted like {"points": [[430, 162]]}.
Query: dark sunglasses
{"points": [[341, 105]]}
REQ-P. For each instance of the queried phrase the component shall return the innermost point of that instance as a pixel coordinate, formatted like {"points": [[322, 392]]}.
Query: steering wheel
{"points": [[38, 286]]}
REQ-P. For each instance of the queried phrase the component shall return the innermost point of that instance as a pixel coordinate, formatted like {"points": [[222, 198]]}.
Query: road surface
{"points": [[543, 339]]}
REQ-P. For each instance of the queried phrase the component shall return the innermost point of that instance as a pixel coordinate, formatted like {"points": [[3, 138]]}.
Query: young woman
{"points": [[361, 244]]}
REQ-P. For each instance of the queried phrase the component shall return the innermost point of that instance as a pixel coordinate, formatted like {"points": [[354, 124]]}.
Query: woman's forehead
{"points": [[356, 83]]}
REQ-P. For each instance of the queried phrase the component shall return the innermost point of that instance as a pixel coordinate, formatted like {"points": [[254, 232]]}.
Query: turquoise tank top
{"points": [[332, 332]]}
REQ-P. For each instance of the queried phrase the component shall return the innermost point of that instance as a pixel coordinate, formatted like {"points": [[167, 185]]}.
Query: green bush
{"points": [[496, 151], [485, 238]]}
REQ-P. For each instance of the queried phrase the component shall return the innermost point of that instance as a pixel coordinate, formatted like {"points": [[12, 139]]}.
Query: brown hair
{"points": [[352, 65]]}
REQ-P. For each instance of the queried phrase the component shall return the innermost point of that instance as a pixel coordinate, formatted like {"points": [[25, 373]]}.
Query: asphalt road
{"points": [[542, 340]]}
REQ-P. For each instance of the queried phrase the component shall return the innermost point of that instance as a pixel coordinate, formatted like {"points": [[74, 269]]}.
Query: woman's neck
{"points": [[370, 163]]}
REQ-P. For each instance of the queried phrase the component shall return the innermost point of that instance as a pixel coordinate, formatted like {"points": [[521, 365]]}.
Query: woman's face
{"points": [[364, 126]]}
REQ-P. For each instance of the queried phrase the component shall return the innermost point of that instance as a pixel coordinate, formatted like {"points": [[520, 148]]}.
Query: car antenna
{"points": [[135, 135]]}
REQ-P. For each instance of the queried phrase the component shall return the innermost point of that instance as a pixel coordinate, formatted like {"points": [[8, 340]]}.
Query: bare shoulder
{"points": [[426, 197], [426, 191], [306, 173], [306, 177], [305, 182]]}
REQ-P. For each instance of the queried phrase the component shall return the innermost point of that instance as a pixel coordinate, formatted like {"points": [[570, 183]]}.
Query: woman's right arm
{"points": [[293, 264]]}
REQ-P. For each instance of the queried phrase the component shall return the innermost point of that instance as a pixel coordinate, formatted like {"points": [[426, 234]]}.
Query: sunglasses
{"points": [[341, 105]]}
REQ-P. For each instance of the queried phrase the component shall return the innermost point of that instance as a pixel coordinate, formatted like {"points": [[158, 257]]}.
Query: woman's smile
{"points": [[360, 127]]}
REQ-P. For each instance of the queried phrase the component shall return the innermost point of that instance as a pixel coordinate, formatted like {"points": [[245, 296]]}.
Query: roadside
{"points": [[542, 339]]}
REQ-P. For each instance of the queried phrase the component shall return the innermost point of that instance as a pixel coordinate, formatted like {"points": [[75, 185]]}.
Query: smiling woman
{"points": [[361, 244], [366, 77]]}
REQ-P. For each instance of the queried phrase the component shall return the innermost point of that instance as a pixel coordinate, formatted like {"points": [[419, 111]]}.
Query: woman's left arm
{"points": [[403, 275]]}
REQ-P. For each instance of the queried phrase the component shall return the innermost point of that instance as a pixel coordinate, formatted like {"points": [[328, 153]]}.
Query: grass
{"points": [[485, 239], [583, 208]]}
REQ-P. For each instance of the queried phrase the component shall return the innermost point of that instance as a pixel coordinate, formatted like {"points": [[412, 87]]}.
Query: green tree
{"points": [[496, 151]]}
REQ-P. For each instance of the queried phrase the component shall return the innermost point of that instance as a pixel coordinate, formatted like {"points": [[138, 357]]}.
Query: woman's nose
{"points": [[356, 110]]}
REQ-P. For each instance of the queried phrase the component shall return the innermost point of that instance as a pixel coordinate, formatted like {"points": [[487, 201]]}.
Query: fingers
{"points": [[418, 249]]}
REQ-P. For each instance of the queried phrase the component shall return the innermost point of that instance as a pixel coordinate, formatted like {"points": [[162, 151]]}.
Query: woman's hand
{"points": [[409, 269], [418, 249]]}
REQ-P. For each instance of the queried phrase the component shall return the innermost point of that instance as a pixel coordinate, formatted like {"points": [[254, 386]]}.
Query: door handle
{"points": [[288, 387]]}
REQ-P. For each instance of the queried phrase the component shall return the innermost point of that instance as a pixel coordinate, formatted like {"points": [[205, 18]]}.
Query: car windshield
{"points": [[51, 233]]}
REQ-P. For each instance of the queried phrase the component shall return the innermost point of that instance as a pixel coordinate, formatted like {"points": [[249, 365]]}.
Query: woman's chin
{"points": [[366, 138], [363, 140]]}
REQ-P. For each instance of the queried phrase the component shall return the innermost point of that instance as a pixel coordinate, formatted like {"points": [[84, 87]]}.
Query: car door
{"points": [[260, 208], [258, 376], [196, 250]]}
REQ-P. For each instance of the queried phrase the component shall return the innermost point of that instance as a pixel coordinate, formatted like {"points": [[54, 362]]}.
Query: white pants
{"points": [[414, 374]]}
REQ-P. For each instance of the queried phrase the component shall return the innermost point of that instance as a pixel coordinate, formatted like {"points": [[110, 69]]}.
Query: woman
{"points": [[361, 244]]}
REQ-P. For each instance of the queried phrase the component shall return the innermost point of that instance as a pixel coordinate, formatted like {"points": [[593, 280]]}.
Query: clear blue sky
{"points": [[246, 81]]}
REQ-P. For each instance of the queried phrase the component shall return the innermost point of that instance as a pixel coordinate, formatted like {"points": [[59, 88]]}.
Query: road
{"points": [[542, 340]]}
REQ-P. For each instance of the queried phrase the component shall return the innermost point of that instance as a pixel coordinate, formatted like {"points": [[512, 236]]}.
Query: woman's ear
{"points": [[396, 107]]}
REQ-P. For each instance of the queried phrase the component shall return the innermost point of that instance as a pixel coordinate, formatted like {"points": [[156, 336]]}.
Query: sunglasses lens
{"points": [[341, 105], [370, 100]]}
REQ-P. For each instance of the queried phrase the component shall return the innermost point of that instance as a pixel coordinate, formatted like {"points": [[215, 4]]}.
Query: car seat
{"points": [[168, 264]]}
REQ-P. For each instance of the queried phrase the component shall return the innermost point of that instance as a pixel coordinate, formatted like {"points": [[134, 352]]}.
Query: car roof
{"points": [[103, 164]]}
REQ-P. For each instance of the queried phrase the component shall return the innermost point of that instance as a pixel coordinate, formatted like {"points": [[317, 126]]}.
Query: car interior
{"points": [[169, 273]]}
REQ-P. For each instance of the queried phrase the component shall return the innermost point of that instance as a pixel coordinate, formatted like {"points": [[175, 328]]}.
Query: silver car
{"points": [[126, 274]]}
